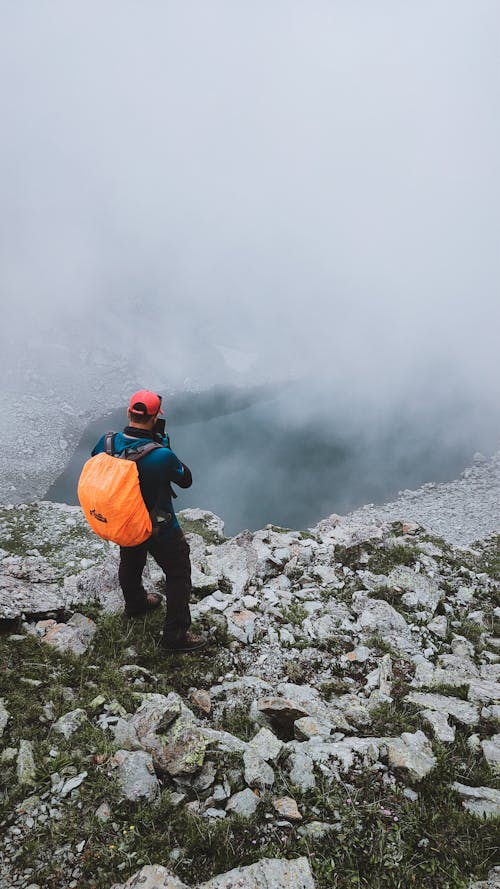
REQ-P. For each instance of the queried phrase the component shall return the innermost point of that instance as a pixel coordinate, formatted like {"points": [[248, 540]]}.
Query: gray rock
{"points": [[24, 588], [168, 730], [136, 774], [438, 626], [211, 521], [316, 830], [493, 881], [441, 728], [96, 585], [25, 763], [302, 771], [413, 752], [266, 745], [269, 873], [243, 803], [72, 784], [484, 691], [4, 716], [462, 711], [491, 750], [241, 625], [103, 813], [481, 801], [152, 876], [70, 722], [258, 773], [64, 637], [420, 592], [125, 735]]}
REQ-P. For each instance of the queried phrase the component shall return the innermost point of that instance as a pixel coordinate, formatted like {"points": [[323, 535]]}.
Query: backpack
{"points": [[110, 494]]}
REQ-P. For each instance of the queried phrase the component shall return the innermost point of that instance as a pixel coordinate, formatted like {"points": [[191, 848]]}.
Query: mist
{"points": [[238, 193]]}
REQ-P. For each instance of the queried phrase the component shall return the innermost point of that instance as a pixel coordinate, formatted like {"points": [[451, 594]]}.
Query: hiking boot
{"points": [[187, 642], [152, 601]]}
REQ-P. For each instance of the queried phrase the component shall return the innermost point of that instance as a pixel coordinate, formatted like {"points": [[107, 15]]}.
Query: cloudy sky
{"points": [[313, 184]]}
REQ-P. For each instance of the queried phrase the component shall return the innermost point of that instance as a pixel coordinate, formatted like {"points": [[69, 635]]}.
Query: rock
{"points": [[243, 803], [72, 784], [136, 774], [257, 771], [419, 591], [241, 625], [413, 752], [481, 801], [493, 881], [27, 587], [491, 750], [211, 521], [212, 812], [97, 585], [103, 813], [4, 716], [266, 745], [287, 808], [311, 727], [377, 616], [167, 729], [85, 626], [281, 711], [483, 691], [438, 626], [202, 700], [25, 763], [70, 722], [66, 637], [302, 771], [462, 711], [269, 873], [441, 728], [152, 876], [125, 735]]}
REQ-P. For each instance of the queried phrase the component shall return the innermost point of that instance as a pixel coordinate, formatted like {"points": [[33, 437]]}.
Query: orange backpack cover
{"points": [[111, 499]]}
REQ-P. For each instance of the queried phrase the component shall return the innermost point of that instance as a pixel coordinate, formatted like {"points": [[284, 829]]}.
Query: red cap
{"points": [[145, 402]]}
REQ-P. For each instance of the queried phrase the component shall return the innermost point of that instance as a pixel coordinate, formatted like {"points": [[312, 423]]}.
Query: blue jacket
{"points": [[157, 470]]}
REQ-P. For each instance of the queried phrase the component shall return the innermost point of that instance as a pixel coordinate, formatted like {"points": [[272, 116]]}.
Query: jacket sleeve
{"points": [[186, 479], [177, 473]]}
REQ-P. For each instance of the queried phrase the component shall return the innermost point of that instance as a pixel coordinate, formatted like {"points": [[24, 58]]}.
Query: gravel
{"points": [[461, 511]]}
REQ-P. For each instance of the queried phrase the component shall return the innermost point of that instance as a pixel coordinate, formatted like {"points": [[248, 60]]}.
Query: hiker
{"points": [[157, 470]]}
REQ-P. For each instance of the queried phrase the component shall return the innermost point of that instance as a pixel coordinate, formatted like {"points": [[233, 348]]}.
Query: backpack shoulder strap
{"points": [[135, 454], [109, 443]]}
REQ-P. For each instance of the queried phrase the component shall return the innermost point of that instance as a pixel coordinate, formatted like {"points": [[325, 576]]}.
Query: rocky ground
{"points": [[461, 511], [341, 730]]}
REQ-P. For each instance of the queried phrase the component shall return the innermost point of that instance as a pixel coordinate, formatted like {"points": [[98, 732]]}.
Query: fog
{"points": [[233, 192]]}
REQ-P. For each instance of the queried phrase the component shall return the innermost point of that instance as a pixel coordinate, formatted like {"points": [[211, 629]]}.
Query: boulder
{"points": [[25, 763], [152, 876], [412, 752], [70, 722], [462, 711], [136, 774], [269, 873], [243, 803], [480, 801], [491, 751]]}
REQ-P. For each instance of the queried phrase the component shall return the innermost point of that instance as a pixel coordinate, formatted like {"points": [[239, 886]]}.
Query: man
{"points": [[168, 546]]}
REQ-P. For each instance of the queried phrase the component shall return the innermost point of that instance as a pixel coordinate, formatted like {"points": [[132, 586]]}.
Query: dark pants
{"points": [[172, 555]]}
